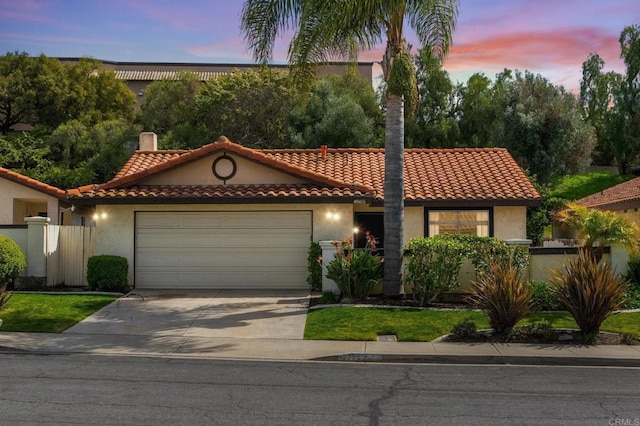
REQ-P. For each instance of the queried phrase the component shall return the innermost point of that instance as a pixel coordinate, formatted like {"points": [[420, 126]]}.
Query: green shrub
{"points": [[432, 266], [107, 273], [30, 283], [543, 298], [12, 260], [314, 259], [355, 271], [501, 294], [328, 297], [632, 295], [464, 330], [590, 291], [542, 332], [633, 270]]}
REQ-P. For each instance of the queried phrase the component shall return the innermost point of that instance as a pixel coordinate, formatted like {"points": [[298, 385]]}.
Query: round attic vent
{"points": [[224, 167]]}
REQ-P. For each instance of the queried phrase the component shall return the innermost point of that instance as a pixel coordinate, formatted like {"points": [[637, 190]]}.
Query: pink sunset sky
{"points": [[549, 37]]}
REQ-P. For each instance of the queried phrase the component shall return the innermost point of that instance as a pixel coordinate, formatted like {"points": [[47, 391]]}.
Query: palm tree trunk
{"points": [[393, 196]]}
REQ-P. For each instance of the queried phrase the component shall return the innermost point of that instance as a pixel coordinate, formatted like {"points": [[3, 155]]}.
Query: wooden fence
{"points": [[68, 249]]}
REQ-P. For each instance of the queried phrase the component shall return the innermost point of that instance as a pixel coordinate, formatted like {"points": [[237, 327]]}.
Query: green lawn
{"points": [[46, 313], [421, 325], [574, 187]]}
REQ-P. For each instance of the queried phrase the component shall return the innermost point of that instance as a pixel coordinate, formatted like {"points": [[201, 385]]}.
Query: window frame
{"points": [[449, 209]]}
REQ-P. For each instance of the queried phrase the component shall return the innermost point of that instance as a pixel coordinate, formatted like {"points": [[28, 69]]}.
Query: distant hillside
{"points": [[575, 187]]}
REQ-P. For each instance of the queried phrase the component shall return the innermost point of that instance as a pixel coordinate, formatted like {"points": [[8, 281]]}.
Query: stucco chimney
{"points": [[148, 141]]}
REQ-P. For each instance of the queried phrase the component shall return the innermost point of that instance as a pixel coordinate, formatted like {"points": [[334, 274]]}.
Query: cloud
{"points": [[556, 54], [540, 50], [231, 49], [25, 10]]}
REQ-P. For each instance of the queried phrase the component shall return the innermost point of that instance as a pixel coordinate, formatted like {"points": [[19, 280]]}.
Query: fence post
{"points": [[37, 246], [328, 254]]}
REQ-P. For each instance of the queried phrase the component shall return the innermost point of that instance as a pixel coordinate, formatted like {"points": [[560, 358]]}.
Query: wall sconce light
{"points": [[99, 216], [332, 216], [356, 230]]}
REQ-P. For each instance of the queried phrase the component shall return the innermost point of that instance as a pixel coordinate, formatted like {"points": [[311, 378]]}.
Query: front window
{"points": [[466, 222]]}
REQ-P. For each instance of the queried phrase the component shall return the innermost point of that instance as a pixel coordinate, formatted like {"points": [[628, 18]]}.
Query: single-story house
{"points": [[224, 215], [23, 196], [623, 198]]}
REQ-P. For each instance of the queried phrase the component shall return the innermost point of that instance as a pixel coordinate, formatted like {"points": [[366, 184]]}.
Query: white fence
{"points": [[58, 252], [68, 249]]}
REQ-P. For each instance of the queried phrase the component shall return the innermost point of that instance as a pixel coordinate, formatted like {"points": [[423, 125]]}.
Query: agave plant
{"points": [[589, 290], [501, 294]]}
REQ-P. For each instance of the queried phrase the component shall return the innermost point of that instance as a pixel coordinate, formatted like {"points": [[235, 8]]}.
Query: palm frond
{"points": [[262, 20], [434, 22]]}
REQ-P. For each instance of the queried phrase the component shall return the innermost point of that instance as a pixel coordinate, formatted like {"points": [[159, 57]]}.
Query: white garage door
{"points": [[209, 250]]}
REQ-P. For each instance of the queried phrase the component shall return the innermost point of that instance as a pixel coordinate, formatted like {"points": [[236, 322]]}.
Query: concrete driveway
{"points": [[213, 313]]}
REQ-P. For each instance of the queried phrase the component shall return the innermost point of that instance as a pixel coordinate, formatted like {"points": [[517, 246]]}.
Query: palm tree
{"points": [[600, 228], [340, 29]]}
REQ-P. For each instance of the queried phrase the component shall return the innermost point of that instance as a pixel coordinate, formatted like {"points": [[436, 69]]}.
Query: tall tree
{"points": [[435, 124], [477, 111], [32, 90], [328, 29], [627, 101], [249, 107], [611, 101], [596, 97], [334, 115], [541, 126]]}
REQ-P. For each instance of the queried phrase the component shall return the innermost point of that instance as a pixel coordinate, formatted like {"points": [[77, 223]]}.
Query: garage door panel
{"points": [[222, 249], [168, 260], [221, 279]]}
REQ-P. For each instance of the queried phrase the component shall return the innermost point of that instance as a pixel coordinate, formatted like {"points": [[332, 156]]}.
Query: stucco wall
{"points": [[510, 223], [19, 201], [200, 173]]}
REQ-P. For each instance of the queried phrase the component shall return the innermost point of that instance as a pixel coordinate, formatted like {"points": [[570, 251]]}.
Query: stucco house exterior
{"points": [[22, 196], [623, 198], [226, 216]]}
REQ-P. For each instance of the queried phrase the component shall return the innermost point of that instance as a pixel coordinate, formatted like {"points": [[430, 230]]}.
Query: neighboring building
{"points": [[138, 75], [22, 196], [224, 215], [623, 198]]}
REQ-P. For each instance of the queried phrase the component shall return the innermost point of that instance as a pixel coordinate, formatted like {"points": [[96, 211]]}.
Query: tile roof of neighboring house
{"points": [[150, 75], [32, 183], [621, 193], [431, 175]]}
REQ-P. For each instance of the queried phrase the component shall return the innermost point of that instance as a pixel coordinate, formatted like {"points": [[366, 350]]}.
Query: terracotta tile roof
{"points": [[621, 193], [431, 175], [471, 174], [141, 165], [32, 183], [218, 192]]}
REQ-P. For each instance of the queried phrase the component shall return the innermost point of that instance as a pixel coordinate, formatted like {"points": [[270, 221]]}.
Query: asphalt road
{"points": [[85, 389]]}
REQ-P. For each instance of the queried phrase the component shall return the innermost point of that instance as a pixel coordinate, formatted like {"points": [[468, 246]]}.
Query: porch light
{"points": [[99, 216], [332, 216], [356, 230]]}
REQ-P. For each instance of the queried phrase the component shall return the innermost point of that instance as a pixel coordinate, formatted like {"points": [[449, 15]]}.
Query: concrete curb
{"points": [[578, 361]]}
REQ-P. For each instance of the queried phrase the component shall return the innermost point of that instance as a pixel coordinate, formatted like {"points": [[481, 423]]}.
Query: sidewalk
{"points": [[315, 350]]}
